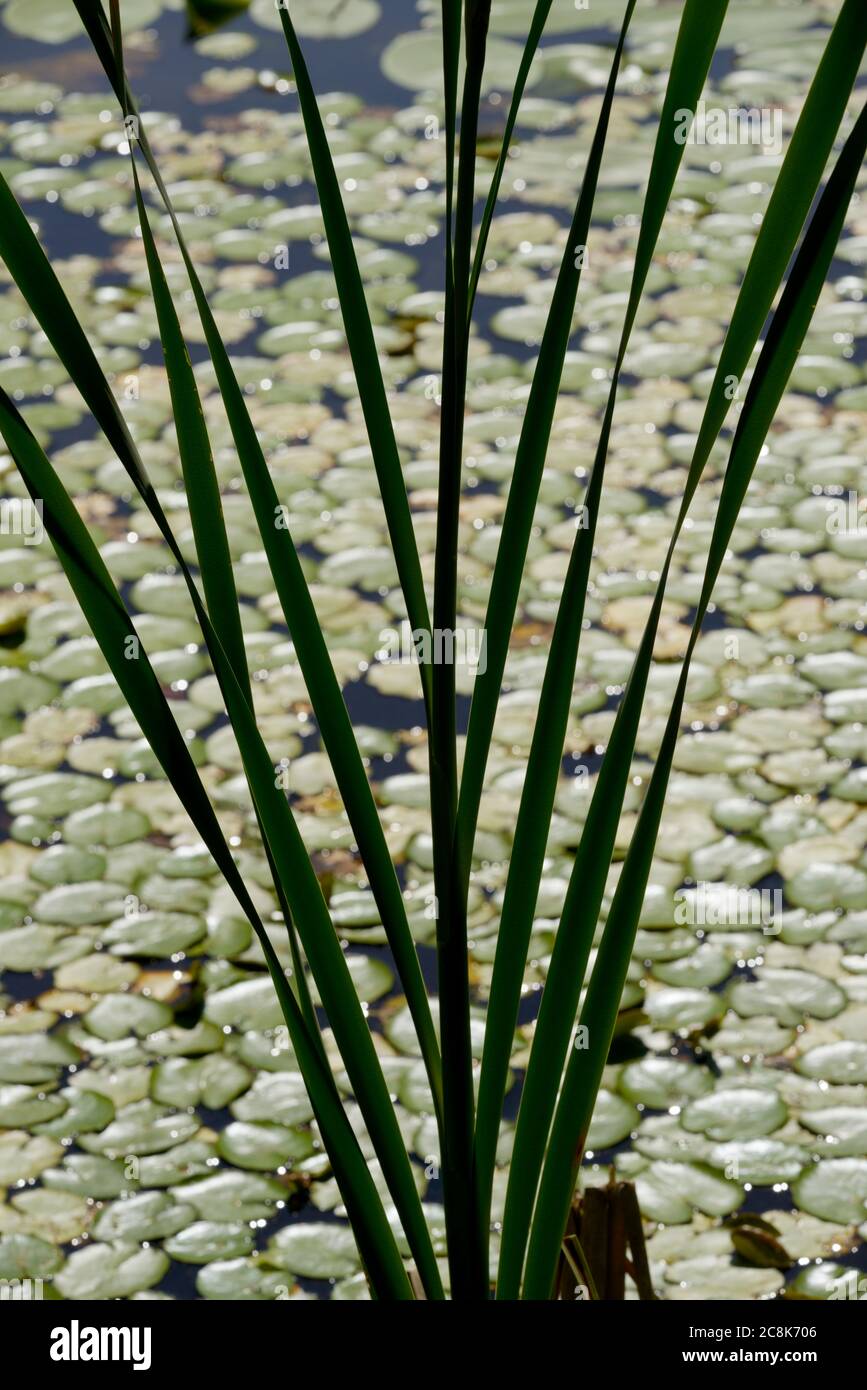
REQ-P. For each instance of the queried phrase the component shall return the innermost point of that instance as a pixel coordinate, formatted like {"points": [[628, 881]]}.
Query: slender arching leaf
{"points": [[542, 771], [327, 962], [206, 513], [205, 505], [359, 332], [584, 1069], [38, 283], [35, 277], [468, 1259], [451, 21], [280, 832], [293, 592], [331, 974], [537, 24], [693, 52], [776, 240], [524, 488], [362, 347], [197, 463], [129, 663]]}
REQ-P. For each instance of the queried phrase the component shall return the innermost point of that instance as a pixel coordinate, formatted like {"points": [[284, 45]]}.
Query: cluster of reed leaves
{"points": [[790, 259]]}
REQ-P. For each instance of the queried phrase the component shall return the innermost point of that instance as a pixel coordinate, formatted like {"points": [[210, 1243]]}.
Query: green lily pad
{"points": [[114, 1269], [834, 1189], [314, 1250], [22, 1106], [232, 1196], [826, 1280], [90, 1175], [80, 904], [761, 1162], [142, 1128], [613, 1120], [58, 1217], [706, 1277], [669, 1192], [115, 1016], [153, 934], [247, 1004], [682, 1009], [62, 864], [263, 1146], [86, 1113], [105, 825], [838, 1062], [320, 21], [35, 1058], [787, 995], [213, 1081], [239, 1279], [735, 1113], [23, 1157], [144, 1216], [204, 1241], [843, 1126], [661, 1082], [280, 1097], [28, 1257]]}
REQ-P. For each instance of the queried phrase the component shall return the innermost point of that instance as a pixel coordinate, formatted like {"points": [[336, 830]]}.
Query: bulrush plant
{"points": [[541, 1254]]}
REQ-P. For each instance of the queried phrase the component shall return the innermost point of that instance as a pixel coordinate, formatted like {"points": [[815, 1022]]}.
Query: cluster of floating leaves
{"points": [[153, 1114]]}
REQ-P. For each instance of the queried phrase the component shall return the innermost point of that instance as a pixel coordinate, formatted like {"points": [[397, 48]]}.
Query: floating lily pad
{"points": [[839, 1062], [280, 1097], [843, 1127], [835, 1189], [613, 1120], [86, 1113], [314, 1250], [35, 1058], [28, 1257], [761, 1162], [669, 1192], [232, 1196], [204, 1241], [212, 1081], [706, 1277], [145, 1216], [735, 1113], [787, 995], [142, 1128], [320, 21], [264, 1147], [115, 1269], [239, 1279], [661, 1082]]}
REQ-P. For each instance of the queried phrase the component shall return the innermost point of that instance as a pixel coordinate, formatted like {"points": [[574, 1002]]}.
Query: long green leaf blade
{"points": [[302, 620], [468, 1259], [362, 347], [327, 961], [359, 332], [302, 890], [524, 487], [134, 674], [537, 24], [693, 52], [584, 1070], [543, 765], [805, 159]]}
